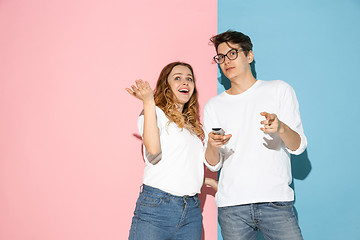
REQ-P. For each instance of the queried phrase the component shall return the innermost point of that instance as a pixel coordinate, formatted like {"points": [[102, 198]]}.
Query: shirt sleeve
{"points": [[210, 122], [290, 115], [161, 120]]}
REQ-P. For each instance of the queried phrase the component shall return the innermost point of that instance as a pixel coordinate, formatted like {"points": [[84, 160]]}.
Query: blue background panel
{"points": [[315, 47]]}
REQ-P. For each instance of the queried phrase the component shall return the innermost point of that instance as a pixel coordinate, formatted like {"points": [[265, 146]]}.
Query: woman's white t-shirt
{"points": [[179, 168]]}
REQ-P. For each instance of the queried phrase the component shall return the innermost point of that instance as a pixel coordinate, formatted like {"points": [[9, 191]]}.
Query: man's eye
{"points": [[221, 57], [232, 53]]}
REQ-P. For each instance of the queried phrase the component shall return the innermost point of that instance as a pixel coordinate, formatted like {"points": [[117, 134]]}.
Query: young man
{"points": [[264, 126]]}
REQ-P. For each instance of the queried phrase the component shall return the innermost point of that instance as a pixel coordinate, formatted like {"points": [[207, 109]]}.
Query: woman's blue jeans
{"points": [[275, 220], [159, 215]]}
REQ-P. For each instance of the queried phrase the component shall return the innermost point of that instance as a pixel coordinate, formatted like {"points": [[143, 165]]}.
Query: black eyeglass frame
{"points": [[217, 60]]}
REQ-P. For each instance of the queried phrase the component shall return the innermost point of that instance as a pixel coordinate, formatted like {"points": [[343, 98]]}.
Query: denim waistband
{"points": [[160, 193]]}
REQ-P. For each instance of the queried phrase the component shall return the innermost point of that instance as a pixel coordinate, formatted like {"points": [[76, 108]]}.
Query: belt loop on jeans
{"points": [[167, 198], [141, 187], [196, 199]]}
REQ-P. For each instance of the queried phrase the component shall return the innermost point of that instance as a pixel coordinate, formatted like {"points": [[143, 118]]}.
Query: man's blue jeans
{"points": [[159, 215], [276, 221]]}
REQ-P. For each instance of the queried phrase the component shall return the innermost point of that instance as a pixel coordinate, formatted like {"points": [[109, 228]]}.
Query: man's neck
{"points": [[240, 85]]}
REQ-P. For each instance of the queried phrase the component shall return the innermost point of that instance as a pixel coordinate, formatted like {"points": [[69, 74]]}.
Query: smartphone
{"points": [[218, 131]]}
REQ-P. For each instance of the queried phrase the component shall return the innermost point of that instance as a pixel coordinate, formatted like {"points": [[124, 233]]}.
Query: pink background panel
{"points": [[70, 163]]}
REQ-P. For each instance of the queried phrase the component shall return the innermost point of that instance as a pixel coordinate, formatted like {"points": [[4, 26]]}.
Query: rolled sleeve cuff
{"points": [[301, 148], [216, 167]]}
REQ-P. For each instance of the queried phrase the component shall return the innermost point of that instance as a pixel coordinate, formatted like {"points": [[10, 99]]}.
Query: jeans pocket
{"points": [[282, 205], [150, 200]]}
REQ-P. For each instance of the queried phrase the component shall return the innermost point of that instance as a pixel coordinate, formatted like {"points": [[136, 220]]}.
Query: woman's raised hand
{"points": [[141, 91]]}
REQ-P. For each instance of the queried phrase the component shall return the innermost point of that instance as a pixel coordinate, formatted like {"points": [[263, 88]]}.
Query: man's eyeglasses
{"points": [[232, 54]]}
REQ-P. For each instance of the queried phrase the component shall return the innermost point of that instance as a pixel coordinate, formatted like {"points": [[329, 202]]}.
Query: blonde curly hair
{"points": [[166, 101]]}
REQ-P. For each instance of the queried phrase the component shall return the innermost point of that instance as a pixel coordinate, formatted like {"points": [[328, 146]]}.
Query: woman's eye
{"points": [[177, 78], [190, 79]]}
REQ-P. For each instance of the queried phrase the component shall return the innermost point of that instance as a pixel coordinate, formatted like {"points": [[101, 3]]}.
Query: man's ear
{"points": [[250, 56]]}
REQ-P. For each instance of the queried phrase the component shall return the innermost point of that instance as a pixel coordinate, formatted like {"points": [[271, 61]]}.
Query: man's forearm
{"points": [[290, 137], [212, 155]]}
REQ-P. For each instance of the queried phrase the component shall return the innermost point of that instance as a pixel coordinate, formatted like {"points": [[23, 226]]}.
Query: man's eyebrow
{"points": [[228, 51]]}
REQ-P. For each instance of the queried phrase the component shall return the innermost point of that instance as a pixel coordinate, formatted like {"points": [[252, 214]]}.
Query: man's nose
{"points": [[227, 59]]}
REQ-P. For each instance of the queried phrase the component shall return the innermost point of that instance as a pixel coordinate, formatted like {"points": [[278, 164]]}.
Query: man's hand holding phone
{"points": [[217, 137]]}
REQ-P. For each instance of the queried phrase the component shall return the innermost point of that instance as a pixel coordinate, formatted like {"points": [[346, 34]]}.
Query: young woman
{"points": [[168, 205]]}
